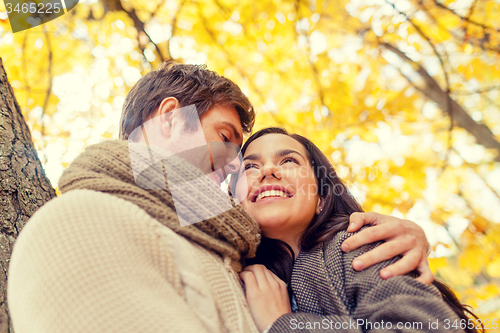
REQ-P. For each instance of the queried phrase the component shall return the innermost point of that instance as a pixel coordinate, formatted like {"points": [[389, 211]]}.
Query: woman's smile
{"points": [[268, 192]]}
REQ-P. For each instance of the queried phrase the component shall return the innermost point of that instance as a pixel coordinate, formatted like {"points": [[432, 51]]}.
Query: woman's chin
{"points": [[270, 226], [267, 214]]}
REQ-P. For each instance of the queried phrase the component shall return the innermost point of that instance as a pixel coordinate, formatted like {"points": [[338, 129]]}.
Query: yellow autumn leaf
{"points": [[473, 260], [494, 268], [435, 263]]}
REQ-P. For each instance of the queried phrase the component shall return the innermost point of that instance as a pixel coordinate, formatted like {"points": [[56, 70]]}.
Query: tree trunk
{"points": [[23, 185]]}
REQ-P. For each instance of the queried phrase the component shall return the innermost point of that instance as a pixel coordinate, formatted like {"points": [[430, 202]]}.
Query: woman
{"points": [[303, 208]]}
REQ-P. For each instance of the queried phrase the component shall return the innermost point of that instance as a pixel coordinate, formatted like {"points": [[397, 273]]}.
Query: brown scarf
{"points": [[106, 167]]}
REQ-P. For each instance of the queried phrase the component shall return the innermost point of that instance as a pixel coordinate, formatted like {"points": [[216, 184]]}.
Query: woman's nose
{"points": [[271, 170]]}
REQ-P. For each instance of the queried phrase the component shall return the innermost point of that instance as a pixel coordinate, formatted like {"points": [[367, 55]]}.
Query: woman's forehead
{"points": [[271, 143]]}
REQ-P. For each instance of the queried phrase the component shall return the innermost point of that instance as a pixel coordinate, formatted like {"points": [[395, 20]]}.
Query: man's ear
{"points": [[319, 206], [165, 114]]}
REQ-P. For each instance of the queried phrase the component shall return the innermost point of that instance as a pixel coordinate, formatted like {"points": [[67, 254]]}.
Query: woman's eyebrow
{"points": [[278, 153], [252, 157], [284, 152]]}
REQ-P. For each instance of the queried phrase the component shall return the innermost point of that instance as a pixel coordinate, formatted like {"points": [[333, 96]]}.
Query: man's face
{"points": [[213, 147], [221, 126]]}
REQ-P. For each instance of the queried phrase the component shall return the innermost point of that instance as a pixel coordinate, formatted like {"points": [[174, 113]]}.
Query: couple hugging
{"points": [[143, 239]]}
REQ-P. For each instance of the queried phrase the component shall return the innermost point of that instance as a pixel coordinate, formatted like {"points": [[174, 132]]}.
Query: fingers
{"points": [[381, 253], [258, 274], [402, 237], [357, 220], [402, 266], [264, 278], [271, 275], [249, 279], [426, 276], [371, 235]]}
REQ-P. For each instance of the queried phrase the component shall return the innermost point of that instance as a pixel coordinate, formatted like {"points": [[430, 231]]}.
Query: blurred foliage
{"points": [[365, 79]]}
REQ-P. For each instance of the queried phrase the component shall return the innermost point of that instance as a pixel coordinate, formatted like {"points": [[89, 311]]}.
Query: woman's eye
{"points": [[250, 165], [225, 138], [290, 159]]}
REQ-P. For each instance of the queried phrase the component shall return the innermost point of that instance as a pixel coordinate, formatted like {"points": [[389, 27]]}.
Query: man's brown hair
{"points": [[191, 85]]}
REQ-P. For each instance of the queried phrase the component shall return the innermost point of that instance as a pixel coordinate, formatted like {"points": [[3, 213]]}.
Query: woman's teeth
{"points": [[272, 193]]}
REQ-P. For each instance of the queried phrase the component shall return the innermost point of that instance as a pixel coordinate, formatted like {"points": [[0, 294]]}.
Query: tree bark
{"points": [[23, 186], [459, 116]]}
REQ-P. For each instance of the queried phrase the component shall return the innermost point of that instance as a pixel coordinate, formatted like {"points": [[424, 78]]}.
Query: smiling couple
{"points": [[144, 240]]}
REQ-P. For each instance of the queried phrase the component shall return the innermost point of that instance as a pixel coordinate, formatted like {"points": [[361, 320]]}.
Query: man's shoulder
{"points": [[83, 215], [85, 220], [86, 205]]}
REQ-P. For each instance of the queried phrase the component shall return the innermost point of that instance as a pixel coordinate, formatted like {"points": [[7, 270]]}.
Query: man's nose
{"points": [[233, 166], [226, 156]]}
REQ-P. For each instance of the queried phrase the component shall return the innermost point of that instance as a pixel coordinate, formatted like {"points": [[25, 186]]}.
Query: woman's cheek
{"points": [[242, 189]]}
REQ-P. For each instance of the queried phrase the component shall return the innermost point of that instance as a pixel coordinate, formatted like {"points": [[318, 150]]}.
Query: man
{"points": [[110, 254]]}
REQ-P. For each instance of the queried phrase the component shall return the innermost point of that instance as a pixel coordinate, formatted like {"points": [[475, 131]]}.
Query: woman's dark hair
{"points": [[338, 205]]}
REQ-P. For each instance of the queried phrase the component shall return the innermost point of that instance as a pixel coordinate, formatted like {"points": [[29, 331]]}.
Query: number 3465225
{"points": [[32, 8]]}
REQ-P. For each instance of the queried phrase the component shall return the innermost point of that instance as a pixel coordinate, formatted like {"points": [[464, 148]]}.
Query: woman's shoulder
{"points": [[340, 262]]}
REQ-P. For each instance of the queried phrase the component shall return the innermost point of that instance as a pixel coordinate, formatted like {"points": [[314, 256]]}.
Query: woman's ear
{"points": [[165, 115], [319, 206]]}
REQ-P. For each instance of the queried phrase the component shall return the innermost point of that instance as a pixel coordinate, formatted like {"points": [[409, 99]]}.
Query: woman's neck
{"points": [[296, 249], [292, 240], [294, 245]]}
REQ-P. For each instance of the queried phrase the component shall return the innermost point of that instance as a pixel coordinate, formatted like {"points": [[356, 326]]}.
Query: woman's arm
{"points": [[402, 237]]}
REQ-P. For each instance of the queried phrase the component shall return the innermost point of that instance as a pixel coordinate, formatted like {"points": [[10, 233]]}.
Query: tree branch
{"points": [[473, 41], [433, 91], [464, 18], [139, 25], [424, 36], [116, 5]]}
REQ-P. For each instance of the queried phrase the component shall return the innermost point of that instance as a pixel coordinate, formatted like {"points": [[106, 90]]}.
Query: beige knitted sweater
{"points": [[90, 261]]}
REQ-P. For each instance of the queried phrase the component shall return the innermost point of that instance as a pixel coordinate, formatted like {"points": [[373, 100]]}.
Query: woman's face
{"points": [[280, 190]]}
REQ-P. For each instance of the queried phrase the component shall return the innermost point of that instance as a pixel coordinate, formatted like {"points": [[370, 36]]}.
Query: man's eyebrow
{"points": [[252, 157], [235, 131], [284, 152]]}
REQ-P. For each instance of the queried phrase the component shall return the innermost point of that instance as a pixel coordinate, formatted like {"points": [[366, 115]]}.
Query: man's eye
{"points": [[225, 138]]}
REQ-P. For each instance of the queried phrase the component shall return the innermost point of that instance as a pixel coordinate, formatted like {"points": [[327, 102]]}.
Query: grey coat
{"points": [[333, 297]]}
